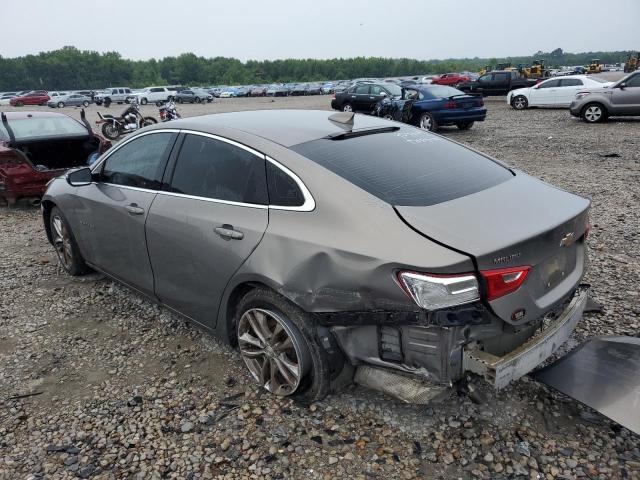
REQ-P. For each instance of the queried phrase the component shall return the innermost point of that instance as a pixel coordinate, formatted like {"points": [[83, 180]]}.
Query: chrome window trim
{"points": [[308, 205], [309, 202]]}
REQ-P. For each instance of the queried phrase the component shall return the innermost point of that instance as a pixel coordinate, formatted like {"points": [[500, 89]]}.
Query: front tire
{"points": [[280, 348], [149, 121], [65, 244], [428, 122], [519, 102], [85, 104], [143, 101], [347, 107], [593, 113], [60, 104], [112, 132]]}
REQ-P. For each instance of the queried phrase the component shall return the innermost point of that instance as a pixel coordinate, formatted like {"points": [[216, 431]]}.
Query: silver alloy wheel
{"points": [[347, 108], [62, 242], [274, 353], [425, 122], [60, 104], [519, 102], [593, 113]]}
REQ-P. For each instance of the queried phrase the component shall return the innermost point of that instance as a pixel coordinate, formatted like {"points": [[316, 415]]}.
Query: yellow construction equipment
{"points": [[536, 70], [633, 63], [595, 66]]}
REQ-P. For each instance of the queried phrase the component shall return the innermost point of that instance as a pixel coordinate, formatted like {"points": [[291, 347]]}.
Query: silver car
{"points": [[69, 100], [331, 245], [620, 99]]}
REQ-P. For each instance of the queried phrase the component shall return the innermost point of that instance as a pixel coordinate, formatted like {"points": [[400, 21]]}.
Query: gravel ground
{"points": [[120, 388]]}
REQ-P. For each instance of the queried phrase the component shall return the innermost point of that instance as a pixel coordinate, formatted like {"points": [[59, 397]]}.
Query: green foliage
{"points": [[70, 68]]}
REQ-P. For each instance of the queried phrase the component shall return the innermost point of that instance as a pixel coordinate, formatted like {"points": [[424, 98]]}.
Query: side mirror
{"points": [[622, 85], [384, 94], [80, 177]]}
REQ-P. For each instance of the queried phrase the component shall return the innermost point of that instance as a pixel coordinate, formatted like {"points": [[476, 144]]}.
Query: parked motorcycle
{"points": [[129, 121], [169, 112]]}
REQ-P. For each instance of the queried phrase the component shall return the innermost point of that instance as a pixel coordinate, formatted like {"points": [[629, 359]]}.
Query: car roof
{"points": [[284, 127]]}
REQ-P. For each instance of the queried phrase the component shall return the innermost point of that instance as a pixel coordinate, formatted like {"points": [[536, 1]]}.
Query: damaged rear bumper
{"points": [[500, 371]]}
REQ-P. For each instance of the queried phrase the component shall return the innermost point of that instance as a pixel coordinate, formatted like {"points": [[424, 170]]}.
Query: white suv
{"points": [[154, 95], [112, 94]]}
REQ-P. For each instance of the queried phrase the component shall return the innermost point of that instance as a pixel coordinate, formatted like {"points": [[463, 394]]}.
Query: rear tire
{"points": [[428, 122], [65, 244], [143, 101], [593, 113], [519, 102], [149, 121], [347, 107], [107, 102], [464, 125], [284, 324], [60, 104], [85, 104], [198, 100]]}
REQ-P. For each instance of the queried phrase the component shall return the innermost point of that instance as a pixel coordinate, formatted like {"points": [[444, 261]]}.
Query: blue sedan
{"points": [[438, 105]]}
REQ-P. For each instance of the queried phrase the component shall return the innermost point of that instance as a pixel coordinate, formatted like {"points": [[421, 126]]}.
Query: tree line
{"points": [[69, 68]]}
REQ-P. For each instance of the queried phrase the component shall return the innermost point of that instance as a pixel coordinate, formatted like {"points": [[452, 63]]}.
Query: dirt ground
{"points": [[97, 382]]}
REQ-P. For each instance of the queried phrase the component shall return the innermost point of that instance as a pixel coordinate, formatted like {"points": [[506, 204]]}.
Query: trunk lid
{"points": [[520, 222]]}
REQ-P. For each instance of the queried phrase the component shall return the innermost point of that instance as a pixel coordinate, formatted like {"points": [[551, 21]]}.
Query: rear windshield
{"points": [[42, 127], [408, 167], [442, 91]]}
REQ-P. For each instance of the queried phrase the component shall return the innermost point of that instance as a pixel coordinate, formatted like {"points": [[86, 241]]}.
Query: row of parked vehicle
{"points": [[431, 105]]}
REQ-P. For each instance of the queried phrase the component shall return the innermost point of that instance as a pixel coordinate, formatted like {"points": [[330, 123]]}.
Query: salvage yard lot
{"points": [[121, 388]]}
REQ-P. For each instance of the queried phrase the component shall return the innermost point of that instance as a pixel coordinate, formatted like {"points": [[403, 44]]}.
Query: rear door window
{"points": [[210, 168], [139, 163], [362, 90], [407, 167]]}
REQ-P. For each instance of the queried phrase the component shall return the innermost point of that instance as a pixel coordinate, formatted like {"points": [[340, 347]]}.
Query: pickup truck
{"points": [[497, 83]]}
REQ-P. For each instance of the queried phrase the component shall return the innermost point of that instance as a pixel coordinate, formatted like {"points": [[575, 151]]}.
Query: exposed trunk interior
{"points": [[59, 153]]}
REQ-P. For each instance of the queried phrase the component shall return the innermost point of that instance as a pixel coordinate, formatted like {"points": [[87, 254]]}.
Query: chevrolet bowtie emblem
{"points": [[568, 239]]}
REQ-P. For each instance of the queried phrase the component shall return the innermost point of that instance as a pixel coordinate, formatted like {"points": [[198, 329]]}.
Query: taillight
{"points": [[450, 104], [433, 292], [504, 280]]}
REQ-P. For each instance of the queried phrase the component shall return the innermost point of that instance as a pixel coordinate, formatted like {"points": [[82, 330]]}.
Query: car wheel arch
{"points": [[47, 206]]}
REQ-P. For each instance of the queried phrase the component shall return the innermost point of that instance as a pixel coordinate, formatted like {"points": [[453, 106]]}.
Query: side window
{"points": [[127, 90], [376, 89], [351, 90], [214, 169], [633, 81], [362, 89], [155, 90], [139, 163], [550, 84], [114, 91], [283, 190], [571, 82], [484, 79], [501, 77]]}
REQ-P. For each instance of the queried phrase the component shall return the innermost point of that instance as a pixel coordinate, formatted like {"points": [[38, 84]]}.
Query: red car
{"points": [[451, 79], [36, 97], [37, 146]]}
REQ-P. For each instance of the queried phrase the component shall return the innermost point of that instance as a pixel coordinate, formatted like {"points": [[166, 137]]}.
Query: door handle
{"points": [[134, 209], [228, 233]]}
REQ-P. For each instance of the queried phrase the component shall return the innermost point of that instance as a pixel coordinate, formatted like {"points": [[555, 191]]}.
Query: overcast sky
{"points": [[263, 29]]}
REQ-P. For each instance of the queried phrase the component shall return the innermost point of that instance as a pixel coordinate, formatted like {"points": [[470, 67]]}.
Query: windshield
{"points": [[43, 127], [407, 167]]}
